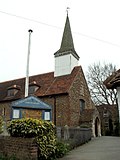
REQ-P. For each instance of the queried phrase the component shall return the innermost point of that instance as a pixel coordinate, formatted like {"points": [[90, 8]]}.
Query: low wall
{"points": [[26, 148], [21, 148], [76, 136]]}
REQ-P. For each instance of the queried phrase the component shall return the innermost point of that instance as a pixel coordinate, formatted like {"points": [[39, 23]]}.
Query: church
{"points": [[61, 96]]}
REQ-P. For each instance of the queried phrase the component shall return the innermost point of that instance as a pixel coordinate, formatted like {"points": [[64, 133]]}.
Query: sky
{"points": [[95, 26]]}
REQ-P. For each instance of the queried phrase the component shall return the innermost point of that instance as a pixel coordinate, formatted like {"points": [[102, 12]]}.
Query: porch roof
{"points": [[31, 102]]}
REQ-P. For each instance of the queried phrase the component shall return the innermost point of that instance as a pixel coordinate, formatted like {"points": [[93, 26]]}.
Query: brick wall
{"points": [[76, 93], [21, 148], [61, 102]]}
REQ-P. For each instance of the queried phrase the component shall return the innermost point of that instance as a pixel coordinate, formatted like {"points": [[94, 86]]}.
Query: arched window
{"points": [[82, 105]]}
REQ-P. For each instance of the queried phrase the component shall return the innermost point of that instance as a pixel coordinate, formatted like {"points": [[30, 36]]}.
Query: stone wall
{"points": [[76, 136], [21, 148]]}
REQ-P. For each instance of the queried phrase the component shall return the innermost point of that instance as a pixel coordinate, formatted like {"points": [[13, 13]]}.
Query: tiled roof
{"points": [[48, 85]]}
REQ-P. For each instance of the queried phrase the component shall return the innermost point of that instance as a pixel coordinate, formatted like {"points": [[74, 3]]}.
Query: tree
{"points": [[96, 75]]}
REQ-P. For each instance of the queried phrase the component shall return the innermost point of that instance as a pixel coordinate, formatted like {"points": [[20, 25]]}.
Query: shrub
{"points": [[25, 128], [84, 126], [43, 131], [62, 149]]}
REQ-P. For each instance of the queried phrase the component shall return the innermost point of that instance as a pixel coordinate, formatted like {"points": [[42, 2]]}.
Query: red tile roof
{"points": [[49, 85]]}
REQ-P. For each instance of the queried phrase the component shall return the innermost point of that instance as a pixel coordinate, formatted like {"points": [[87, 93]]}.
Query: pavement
{"points": [[100, 148]]}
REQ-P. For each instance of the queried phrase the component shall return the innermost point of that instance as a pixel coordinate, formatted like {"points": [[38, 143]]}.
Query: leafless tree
{"points": [[96, 75]]}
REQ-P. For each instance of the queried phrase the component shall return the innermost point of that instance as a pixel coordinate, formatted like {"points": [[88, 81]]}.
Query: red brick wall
{"points": [[21, 148], [79, 90], [62, 108]]}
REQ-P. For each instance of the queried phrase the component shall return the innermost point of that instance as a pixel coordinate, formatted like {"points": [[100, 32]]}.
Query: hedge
{"points": [[43, 131]]}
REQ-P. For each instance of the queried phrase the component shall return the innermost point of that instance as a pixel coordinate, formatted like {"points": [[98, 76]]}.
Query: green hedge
{"points": [[44, 134], [43, 131]]}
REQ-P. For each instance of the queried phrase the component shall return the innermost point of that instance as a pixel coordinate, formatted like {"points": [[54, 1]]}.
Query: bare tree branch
{"points": [[96, 75]]}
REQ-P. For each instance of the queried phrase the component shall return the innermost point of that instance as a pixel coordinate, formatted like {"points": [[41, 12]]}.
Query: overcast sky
{"points": [[95, 26]]}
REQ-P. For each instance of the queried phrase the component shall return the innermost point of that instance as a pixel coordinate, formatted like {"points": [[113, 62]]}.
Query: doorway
{"points": [[97, 127]]}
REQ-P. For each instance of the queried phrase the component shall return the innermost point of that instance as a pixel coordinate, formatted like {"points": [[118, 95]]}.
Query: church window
{"points": [[82, 105]]}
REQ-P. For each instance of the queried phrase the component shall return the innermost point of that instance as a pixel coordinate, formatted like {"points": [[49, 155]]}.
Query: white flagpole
{"points": [[27, 68]]}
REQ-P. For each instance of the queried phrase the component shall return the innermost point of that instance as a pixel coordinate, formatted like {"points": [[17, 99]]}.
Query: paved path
{"points": [[103, 148]]}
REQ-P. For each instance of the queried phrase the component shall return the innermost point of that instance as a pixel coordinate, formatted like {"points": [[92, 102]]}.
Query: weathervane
{"points": [[67, 10]]}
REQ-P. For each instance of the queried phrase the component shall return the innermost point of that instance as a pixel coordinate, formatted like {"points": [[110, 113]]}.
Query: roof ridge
{"points": [[22, 78], [74, 77]]}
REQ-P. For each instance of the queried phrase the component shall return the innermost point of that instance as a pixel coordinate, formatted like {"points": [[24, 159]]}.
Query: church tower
{"points": [[66, 57]]}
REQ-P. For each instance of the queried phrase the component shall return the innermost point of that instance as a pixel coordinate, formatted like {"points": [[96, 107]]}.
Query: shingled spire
{"points": [[66, 57], [67, 44]]}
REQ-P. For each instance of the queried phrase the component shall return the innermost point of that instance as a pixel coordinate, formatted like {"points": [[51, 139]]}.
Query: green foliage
{"points": [[1, 124], [84, 126], [43, 131], [25, 127], [8, 158], [62, 149]]}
